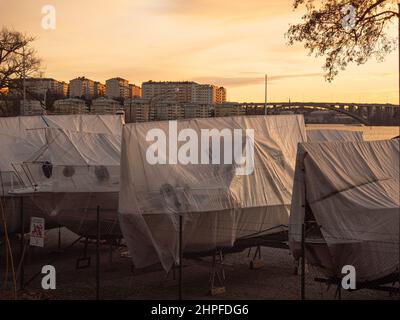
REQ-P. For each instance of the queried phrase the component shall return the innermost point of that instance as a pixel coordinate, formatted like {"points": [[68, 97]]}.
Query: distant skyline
{"points": [[227, 43]]}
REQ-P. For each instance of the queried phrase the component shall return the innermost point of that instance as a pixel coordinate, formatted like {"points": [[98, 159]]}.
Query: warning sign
{"points": [[37, 232]]}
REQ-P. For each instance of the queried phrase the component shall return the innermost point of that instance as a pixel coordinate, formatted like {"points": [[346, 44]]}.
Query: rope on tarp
{"points": [[349, 188], [45, 121], [283, 226]]}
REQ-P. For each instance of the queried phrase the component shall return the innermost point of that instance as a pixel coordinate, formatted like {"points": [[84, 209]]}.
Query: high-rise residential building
{"points": [[205, 93], [168, 111], [143, 110], [180, 92], [139, 110], [99, 89], [195, 110], [117, 88], [82, 88], [211, 94], [69, 106], [183, 92], [39, 87], [220, 95], [135, 91], [103, 105]]}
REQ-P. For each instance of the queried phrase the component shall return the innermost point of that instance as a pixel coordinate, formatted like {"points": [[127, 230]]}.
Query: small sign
{"points": [[37, 232]]}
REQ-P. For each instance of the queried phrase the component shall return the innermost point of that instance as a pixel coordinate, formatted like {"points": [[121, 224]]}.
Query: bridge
{"points": [[362, 112]]}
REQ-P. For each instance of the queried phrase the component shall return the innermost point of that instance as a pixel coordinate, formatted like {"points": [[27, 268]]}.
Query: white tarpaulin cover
{"points": [[369, 133], [20, 137], [30, 139], [72, 174], [322, 135], [19, 126], [73, 158], [352, 191], [217, 205]]}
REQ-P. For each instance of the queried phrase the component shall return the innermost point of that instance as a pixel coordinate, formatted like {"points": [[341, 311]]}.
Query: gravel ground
{"points": [[275, 280]]}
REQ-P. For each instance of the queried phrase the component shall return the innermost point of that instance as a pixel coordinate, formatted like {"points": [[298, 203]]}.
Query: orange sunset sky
{"points": [[230, 43]]}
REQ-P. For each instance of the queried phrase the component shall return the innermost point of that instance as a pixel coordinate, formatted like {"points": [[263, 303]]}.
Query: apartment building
{"points": [[205, 93], [168, 111], [103, 105], [82, 87], [142, 110], [139, 110], [99, 89], [117, 88], [135, 91], [39, 87], [195, 110], [31, 108], [69, 106], [184, 92], [179, 92], [209, 94], [220, 95]]}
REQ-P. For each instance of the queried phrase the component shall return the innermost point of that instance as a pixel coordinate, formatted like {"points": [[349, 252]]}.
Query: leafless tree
{"points": [[16, 57], [17, 60], [330, 29]]}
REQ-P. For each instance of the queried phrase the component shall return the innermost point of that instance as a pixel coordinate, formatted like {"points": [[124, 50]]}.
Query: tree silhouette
{"points": [[17, 60], [16, 57], [345, 31]]}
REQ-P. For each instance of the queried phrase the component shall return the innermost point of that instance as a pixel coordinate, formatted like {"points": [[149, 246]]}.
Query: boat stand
{"points": [[217, 274], [256, 262], [85, 261]]}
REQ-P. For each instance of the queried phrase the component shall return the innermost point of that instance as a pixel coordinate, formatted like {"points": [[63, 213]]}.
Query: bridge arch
{"points": [[318, 106]]}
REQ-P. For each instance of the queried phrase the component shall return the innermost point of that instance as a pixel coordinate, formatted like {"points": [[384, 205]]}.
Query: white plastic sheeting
{"points": [[17, 148], [73, 162], [28, 139], [217, 205], [370, 133], [20, 137], [107, 124], [323, 135], [72, 174], [20, 126], [352, 191]]}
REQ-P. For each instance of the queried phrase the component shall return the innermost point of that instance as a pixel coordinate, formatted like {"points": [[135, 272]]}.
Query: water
{"points": [[369, 132]]}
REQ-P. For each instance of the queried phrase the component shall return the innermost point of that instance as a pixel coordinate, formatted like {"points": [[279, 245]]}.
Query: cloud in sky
{"points": [[232, 9], [246, 81]]}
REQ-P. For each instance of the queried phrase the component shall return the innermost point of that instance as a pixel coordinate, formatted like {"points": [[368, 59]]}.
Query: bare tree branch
{"points": [[323, 34], [17, 57]]}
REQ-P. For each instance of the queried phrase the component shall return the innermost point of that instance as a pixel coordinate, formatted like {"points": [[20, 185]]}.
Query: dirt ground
{"points": [[275, 280]]}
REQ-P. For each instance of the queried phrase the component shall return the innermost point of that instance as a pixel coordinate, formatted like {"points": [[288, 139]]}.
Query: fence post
{"points": [[180, 255], [22, 232], [303, 262], [98, 256]]}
